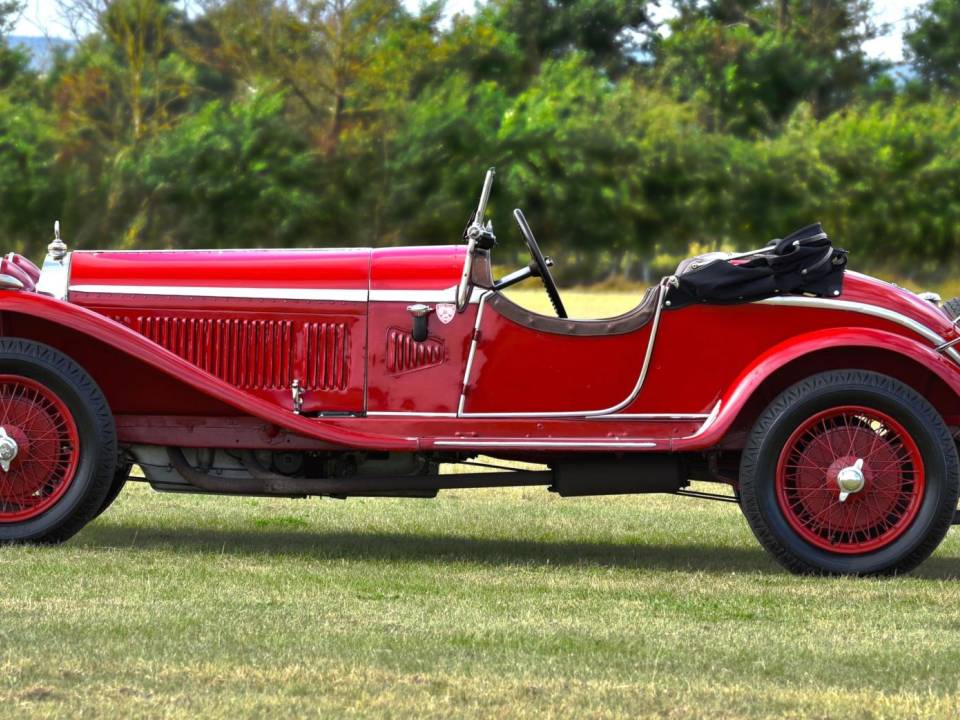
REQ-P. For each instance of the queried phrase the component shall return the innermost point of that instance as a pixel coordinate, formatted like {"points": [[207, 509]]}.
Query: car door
{"points": [[525, 364]]}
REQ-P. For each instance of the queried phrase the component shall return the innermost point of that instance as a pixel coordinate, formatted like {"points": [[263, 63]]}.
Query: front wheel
{"points": [[58, 446], [849, 472]]}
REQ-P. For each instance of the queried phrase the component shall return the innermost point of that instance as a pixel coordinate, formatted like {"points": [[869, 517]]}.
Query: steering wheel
{"points": [[541, 265]]}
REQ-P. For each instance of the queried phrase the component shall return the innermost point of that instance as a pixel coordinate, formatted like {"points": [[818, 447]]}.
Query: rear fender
{"points": [[122, 343], [737, 396]]}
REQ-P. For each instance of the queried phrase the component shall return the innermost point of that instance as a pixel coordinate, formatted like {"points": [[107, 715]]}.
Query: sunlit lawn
{"points": [[579, 303], [509, 603], [493, 603]]}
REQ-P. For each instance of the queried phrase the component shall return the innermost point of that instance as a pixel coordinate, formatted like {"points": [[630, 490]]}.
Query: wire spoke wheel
{"points": [[850, 480], [45, 441]]}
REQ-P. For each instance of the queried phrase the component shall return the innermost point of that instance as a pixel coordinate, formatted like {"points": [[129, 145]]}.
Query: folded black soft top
{"points": [[803, 263]]}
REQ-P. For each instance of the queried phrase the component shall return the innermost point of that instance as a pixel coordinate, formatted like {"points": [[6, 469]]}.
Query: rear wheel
{"points": [[57, 444], [850, 472]]}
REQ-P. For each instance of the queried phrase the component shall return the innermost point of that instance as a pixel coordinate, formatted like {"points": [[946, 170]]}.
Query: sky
{"points": [[40, 17]]}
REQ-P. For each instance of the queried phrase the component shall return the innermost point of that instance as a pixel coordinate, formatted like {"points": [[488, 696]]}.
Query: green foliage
{"points": [[13, 62], [432, 166], [897, 171], [29, 184], [743, 80], [605, 31], [234, 173], [261, 122], [570, 174], [934, 44], [749, 64]]}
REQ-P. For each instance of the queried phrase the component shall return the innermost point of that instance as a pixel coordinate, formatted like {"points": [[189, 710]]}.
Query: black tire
{"points": [[933, 506], [119, 481], [95, 464], [952, 308]]}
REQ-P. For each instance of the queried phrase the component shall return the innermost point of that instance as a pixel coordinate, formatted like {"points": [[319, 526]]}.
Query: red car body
{"points": [[305, 359], [196, 346]]}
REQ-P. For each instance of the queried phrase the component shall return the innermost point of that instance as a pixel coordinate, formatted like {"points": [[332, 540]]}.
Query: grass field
{"points": [[499, 603], [509, 603]]}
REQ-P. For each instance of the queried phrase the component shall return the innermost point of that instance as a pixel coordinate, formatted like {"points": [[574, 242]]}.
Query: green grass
{"points": [[500, 603], [507, 603]]}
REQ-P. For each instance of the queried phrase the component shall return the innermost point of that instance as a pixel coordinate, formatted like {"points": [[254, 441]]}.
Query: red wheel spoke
{"points": [[47, 448], [872, 516]]}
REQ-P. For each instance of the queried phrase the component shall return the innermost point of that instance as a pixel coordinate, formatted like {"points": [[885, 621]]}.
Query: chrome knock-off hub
{"points": [[8, 450], [850, 479]]}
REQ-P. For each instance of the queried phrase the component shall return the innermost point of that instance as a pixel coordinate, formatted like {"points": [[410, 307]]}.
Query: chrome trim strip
{"points": [[331, 294], [343, 295], [865, 309], [447, 295], [654, 327], [621, 416], [708, 423], [392, 413], [547, 443], [650, 416]]}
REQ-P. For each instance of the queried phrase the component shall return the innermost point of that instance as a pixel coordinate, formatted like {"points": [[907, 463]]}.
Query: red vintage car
{"points": [[826, 399]]}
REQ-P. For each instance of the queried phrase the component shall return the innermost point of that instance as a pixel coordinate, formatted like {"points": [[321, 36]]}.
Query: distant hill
{"points": [[41, 49]]}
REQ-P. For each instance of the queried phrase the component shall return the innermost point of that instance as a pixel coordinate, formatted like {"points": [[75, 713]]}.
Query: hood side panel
{"points": [[417, 268], [287, 269], [258, 320]]}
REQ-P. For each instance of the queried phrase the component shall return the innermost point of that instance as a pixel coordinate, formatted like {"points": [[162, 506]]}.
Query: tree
{"points": [[608, 33], [9, 13], [437, 156], [337, 59], [125, 83], [30, 186], [750, 63], [933, 44], [13, 62], [230, 174], [128, 80]]}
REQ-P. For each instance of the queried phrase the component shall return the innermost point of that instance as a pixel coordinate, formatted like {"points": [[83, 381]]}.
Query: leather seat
{"points": [[618, 325]]}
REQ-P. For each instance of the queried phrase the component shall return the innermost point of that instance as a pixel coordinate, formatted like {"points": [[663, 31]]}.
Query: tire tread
{"points": [[53, 360], [852, 379]]}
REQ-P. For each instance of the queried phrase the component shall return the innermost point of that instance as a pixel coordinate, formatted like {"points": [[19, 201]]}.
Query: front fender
{"points": [[766, 365], [128, 341]]}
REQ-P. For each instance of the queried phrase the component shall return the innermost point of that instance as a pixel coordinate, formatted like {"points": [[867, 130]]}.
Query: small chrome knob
{"points": [[8, 450], [421, 314], [851, 479], [58, 248], [419, 310]]}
